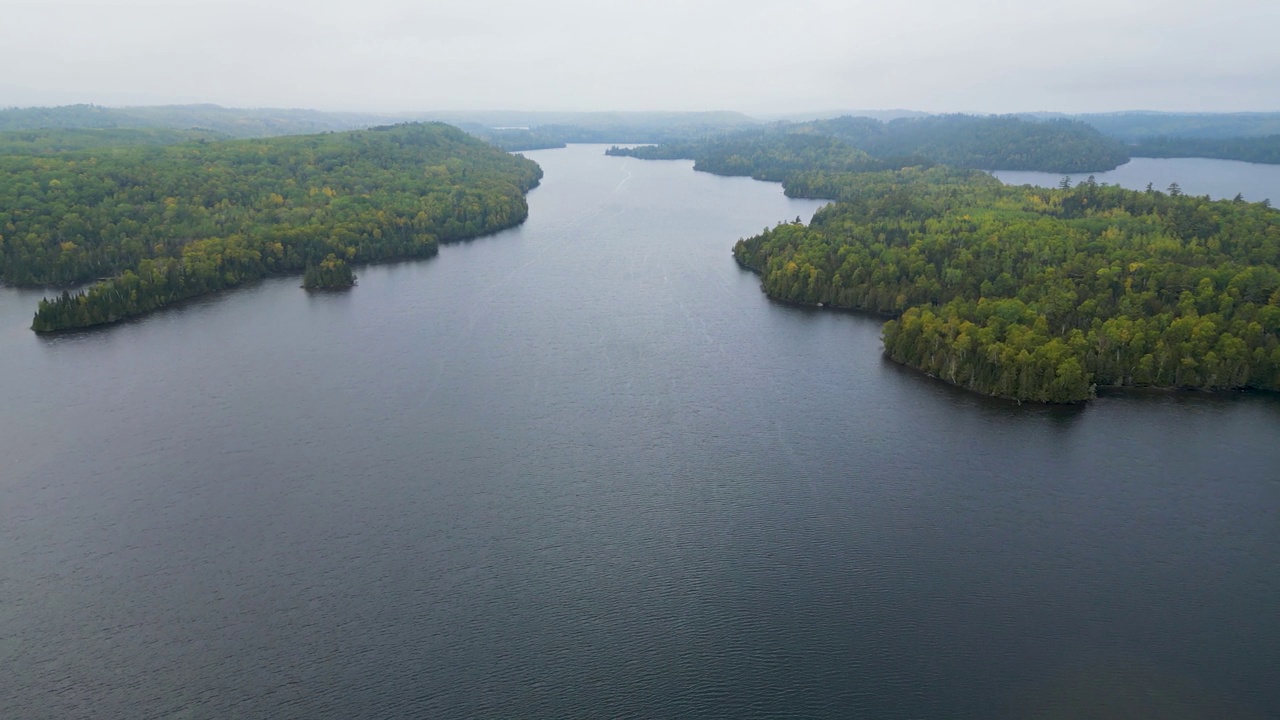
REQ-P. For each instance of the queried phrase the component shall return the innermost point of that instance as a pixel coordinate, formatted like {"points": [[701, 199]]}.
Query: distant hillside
{"points": [[1249, 137], [1132, 127], [595, 120], [536, 130], [234, 122], [968, 141], [510, 130], [52, 141], [881, 115], [991, 142], [1265, 149]]}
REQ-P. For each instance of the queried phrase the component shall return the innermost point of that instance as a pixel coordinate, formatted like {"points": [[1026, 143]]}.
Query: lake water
{"points": [[1196, 176], [584, 468]]}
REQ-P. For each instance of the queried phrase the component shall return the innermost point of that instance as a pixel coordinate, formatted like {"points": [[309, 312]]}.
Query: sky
{"points": [[754, 56]]}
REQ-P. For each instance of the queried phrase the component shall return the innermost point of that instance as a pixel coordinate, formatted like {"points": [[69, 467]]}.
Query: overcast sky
{"points": [[756, 56]]}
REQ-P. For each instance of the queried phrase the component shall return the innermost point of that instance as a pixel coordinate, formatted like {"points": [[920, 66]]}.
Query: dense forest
{"points": [[1019, 292], [1262, 149], [992, 143], [331, 273], [1039, 294], [160, 224]]}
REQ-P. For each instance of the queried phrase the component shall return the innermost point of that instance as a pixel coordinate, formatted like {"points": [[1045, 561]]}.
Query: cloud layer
{"points": [[749, 55]]}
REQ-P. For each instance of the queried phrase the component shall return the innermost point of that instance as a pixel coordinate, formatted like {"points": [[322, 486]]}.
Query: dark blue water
{"points": [[585, 468]]}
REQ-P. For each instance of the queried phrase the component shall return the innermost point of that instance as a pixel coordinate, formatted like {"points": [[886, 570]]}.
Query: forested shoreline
{"points": [[162, 224], [1024, 293], [1264, 149]]}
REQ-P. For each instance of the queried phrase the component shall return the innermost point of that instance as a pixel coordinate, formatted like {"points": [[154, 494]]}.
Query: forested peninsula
{"points": [[1026, 293], [161, 224], [986, 142]]}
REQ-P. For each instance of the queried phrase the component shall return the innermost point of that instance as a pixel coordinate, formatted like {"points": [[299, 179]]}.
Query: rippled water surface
{"points": [[584, 468]]}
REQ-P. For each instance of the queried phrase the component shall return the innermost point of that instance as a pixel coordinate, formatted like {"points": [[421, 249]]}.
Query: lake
{"points": [[585, 468], [1218, 179]]}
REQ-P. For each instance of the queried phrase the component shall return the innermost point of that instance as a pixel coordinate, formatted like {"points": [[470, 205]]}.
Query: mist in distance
{"points": [[575, 55]]}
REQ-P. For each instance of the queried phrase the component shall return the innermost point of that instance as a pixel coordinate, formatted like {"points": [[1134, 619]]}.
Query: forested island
{"points": [[332, 273], [1019, 292], [161, 224]]}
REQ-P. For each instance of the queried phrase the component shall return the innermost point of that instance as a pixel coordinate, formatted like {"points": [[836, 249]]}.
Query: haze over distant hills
{"points": [[1249, 136], [266, 122], [1129, 126]]}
